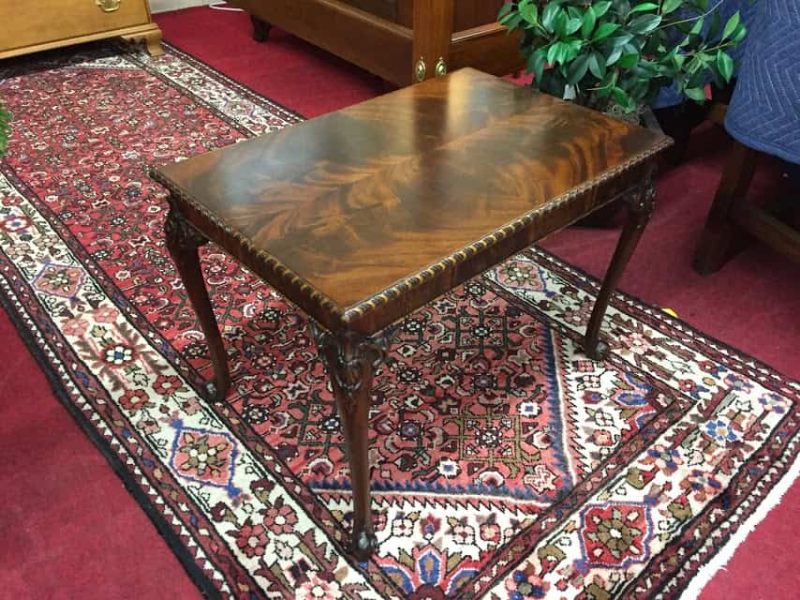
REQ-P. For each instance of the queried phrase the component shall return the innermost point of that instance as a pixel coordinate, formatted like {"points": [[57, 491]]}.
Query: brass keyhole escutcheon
{"points": [[108, 5], [441, 67], [421, 69]]}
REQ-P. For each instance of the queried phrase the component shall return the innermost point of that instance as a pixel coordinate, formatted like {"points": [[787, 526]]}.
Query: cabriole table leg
{"points": [[641, 204], [351, 360], [183, 242]]}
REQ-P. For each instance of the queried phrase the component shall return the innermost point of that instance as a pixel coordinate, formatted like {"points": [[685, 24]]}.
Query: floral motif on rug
{"points": [[505, 463]]}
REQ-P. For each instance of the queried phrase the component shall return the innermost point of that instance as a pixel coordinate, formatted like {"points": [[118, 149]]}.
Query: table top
{"points": [[362, 215]]}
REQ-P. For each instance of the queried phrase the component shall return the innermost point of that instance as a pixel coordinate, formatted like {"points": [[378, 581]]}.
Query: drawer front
{"points": [[27, 23]]}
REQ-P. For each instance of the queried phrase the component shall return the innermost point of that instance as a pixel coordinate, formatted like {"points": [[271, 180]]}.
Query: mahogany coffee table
{"points": [[363, 215]]}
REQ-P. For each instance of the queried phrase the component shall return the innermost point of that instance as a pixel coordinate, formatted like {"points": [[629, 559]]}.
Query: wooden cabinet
{"points": [[402, 41], [45, 24]]}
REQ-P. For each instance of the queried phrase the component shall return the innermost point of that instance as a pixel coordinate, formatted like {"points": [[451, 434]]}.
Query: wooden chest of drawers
{"points": [[44, 24]]}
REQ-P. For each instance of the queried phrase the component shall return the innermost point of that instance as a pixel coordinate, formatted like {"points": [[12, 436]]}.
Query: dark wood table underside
{"points": [[363, 215]]}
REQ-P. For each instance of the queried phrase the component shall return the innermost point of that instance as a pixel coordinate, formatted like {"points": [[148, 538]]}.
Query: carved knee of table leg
{"points": [[641, 204], [183, 242], [351, 360]]}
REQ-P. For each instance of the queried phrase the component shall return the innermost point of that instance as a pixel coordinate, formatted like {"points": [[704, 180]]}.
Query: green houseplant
{"points": [[615, 55]]}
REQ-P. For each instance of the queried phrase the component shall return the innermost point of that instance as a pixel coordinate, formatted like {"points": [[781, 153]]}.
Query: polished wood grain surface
{"points": [[364, 214]]}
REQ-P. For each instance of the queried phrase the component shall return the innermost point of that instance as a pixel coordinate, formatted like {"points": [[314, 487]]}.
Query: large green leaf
{"points": [[644, 7], [628, 60], [562, 52], [621, 40], [610, 79], [644, 24], [588, 22], [554, 53], [725, 66], [621, 97], [597, 65], [697, 27], [560, 24], [573, 48], [614, 56], [573, 12], [537, 63], [731, 25], [550, 12], [573, 25], [530, 13], [601, 8], [698, 94], [511, 20], [669, 6], [739, 34], [605, 30], [577, 69]]}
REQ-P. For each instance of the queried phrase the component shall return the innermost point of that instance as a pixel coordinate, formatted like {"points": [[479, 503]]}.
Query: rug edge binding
{"points": [[202, 582]]}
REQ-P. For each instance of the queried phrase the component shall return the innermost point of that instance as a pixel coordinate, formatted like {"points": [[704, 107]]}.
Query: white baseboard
{"points": [[158, 6]]}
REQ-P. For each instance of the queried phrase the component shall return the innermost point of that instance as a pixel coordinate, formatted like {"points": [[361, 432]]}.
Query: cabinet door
{"points": [[27, 23], [385, 9], [474, 13], [466, 14]]}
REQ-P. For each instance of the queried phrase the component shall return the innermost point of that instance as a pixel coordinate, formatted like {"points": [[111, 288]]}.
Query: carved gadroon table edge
{"points": [[352, 356], [335, 316]]}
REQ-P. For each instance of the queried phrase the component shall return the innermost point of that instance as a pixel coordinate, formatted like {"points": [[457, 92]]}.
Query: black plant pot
{"points": [[678, 122]]}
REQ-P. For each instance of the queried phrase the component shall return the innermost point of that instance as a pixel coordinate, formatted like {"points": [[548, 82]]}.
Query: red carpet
{"points": [[51, 471]]}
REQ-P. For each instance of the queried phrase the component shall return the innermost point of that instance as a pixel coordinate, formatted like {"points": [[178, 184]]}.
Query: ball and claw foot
{"points": [[214, 394], [597, 350], [363, 545]]}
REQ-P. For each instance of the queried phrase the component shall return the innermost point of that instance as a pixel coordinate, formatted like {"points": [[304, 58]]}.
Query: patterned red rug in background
{"points": [[505, 462]]}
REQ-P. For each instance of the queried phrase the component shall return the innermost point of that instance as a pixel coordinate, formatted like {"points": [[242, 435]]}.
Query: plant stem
{"points": [[695, 18], [717, 47]]}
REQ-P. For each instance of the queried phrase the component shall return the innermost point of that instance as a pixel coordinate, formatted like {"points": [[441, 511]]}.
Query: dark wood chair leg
{"points": [[640, 208], [260, 29], [183, 242], [351, 360], [719, 239]]}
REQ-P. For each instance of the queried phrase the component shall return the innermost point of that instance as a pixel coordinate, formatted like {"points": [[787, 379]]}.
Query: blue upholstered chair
{"points": [[763, 117]]}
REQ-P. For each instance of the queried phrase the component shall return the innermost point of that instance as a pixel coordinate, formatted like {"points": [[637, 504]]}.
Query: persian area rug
{"points": [[506, 464]]}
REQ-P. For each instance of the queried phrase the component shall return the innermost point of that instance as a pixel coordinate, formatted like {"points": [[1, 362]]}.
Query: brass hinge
{"points": [[441, 67], [421, 69]]}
